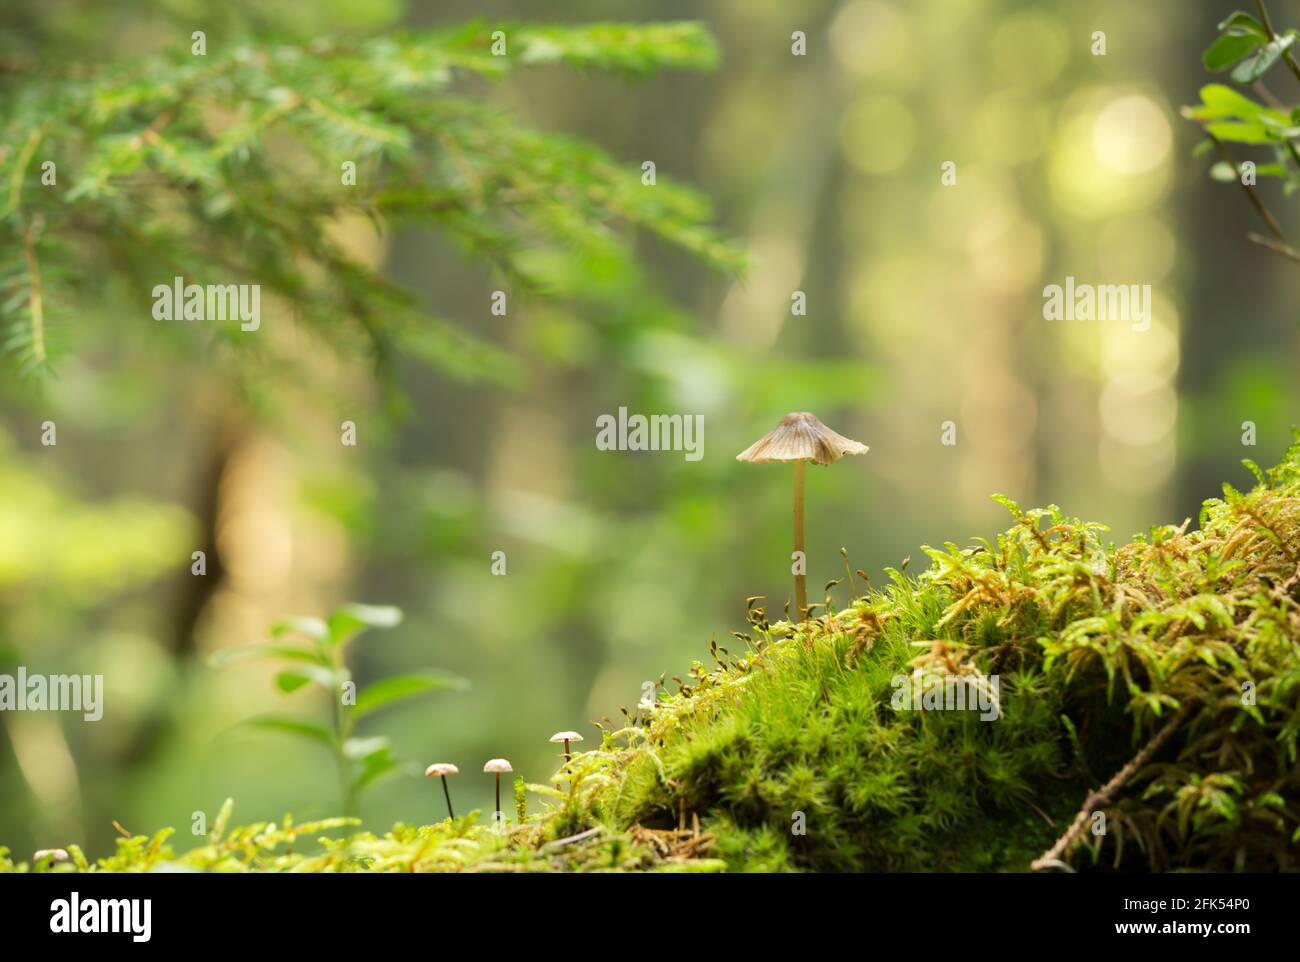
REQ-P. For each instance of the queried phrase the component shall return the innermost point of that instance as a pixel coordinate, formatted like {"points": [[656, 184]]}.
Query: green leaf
{"points": [[375, 765], [1220, 102], [270, 650], [291, 679], [1284, 130], [373, 772], [349, 620], [1255, 469], [1007, 503], [222, 820], [1222, 171], [1240, 133], [636, 48], [313, 628], [399, 687], [362, 748], [1240, 22], [1258, 64], [292, 725], [1227, 49]]}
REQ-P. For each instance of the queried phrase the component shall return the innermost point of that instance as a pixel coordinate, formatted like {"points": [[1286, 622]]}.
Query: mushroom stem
{"points": [[566, 751], [498, 791], [447, 791], [800, 580]]}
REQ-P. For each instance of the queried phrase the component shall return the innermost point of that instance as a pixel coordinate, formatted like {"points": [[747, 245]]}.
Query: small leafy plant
{"points": [[360, 760], [1250, 46]]}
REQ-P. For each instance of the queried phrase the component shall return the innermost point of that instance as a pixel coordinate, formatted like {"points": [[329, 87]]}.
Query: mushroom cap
{"points": [[441, 769], [566, 737], [497, 765], [59, 855], [801, 437]]}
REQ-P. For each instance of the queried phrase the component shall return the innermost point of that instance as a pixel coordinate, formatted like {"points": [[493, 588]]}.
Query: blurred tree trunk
{"points": [[194, 592]]}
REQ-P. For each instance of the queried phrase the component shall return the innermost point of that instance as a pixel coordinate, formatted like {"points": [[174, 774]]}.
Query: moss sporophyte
{"points": [[1153, 683]]}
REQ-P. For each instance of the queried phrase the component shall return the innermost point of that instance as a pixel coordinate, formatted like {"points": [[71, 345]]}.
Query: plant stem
{"points": [[343, 724], [800, 580], [446, 791], [20, 169], [1251, 194], [1285, 250], [1277, 243], [1272, 34]]}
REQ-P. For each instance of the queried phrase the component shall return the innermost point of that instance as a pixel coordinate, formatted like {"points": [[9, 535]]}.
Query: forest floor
{"points": [[1041, 700]]}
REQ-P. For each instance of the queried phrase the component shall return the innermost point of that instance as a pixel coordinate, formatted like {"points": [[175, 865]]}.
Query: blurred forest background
{"points": [[924, 306]]}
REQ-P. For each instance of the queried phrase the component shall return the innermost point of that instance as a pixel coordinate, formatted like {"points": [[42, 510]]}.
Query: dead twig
{"points": [[674, 844], [572, 839], [1053, 857]]}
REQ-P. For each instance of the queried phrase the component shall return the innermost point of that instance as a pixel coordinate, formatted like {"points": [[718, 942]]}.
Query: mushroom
{"points": [[53, 854], [800, 438], [566, 737], [442, 770], [497, 766]]}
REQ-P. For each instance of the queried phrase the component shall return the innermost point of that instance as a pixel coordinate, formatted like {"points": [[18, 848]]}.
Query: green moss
{"points": [[803, 759], [1093, 648], [797, 754]]}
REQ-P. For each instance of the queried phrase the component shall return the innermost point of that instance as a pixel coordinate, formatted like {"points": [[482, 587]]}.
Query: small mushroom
{"points": [[566, 737], [800, 438], [442, 770], [497, 766], [53, 854]]}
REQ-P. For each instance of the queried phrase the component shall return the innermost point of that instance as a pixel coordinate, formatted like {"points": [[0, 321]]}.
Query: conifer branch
{"points": [[35, 298], [173, 155]]}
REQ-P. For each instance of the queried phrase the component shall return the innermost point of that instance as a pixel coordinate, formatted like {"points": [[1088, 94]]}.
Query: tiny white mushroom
{"points": [[53, 854], [442, 770], [566, 737], [496, 766]]}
